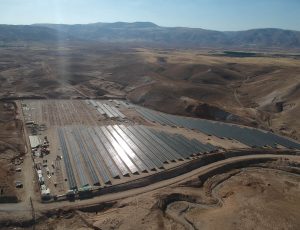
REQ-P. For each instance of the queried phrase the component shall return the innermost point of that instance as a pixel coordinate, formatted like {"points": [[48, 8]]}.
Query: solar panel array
{"points": [[123, 103], [106, 109], [248, 136], [96, 155]]}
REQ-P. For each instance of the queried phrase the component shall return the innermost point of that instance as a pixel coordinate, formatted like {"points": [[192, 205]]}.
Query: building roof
{"points": [[35, 141]]}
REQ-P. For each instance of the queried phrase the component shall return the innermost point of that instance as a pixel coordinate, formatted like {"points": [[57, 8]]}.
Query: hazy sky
{"points": [[208, 14]]}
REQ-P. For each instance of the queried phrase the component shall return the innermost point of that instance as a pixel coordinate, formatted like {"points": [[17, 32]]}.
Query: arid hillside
{"points": [[257, 89], [261, 90], [12, 149]]}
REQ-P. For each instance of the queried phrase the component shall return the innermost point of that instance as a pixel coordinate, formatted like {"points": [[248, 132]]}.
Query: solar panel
{"points": [[131, 154], [175, 145], [67, 161], [166, 155], [85, 155], [149, 144], [95, 156], [117, 112], [104, 154], [112, 152], [119, 151], [111, 110], [173, 154], [143, 145], [189, 147], [139, 151], [167, 142], [80, 168], [247, 136]]}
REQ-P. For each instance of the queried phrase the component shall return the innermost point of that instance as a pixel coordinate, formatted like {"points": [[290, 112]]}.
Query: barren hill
{"points": [[151, 34], [261, 90]]}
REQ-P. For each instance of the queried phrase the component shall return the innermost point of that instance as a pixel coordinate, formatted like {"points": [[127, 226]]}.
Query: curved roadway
{"points": [[24, 206]]}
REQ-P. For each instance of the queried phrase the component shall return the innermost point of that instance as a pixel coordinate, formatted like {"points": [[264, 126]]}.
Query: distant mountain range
{"points": [[149, 33]]}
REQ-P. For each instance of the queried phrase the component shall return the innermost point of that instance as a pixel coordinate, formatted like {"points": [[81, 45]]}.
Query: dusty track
{"points": [[20, 210]]}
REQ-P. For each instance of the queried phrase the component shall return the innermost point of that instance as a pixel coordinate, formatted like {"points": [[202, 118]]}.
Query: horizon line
{"points": [[132, 22]]}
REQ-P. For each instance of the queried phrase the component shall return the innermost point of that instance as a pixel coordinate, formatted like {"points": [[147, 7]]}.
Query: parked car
{"points": [[19, 184]]}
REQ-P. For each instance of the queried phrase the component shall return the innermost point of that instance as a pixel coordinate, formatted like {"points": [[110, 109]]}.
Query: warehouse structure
{"points": [[35, 141]]}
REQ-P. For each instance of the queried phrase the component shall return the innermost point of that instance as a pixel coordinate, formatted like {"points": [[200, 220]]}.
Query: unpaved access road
{"points": [[19, 208]]}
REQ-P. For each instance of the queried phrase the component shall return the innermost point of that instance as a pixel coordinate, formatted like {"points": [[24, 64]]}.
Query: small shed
{"points": [[35, 141], [45, 192]]}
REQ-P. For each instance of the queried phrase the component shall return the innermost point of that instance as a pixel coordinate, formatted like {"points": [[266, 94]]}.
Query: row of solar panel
{"points": [[106, 109], [123, 103], [94, 155], [248, 136]]}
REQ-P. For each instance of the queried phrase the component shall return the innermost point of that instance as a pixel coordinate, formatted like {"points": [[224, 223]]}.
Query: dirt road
{"points": [[17, 212], [159, 185]]}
